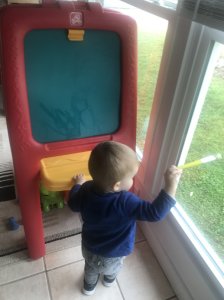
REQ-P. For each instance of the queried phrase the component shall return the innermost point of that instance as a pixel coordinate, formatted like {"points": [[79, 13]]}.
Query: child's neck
{"points": [[101, 190]]}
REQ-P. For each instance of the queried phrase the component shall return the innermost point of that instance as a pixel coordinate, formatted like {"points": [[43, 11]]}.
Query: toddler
{"points": [[109, 211]]}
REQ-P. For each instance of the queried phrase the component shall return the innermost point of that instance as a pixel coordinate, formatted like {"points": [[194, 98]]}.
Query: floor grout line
{"points": [[172, 297], [140, 241], [67, 264], [48, 280], [22, 278], [60, 250], [122, 295]]}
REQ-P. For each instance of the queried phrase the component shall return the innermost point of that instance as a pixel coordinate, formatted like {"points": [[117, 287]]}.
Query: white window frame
{"points": [[192, 273]]}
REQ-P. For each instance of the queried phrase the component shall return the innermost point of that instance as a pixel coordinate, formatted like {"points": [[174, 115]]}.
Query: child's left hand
{"points": [[79, 179]]}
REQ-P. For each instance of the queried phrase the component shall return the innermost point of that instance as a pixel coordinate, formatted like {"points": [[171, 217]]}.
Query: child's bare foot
{"points": [[79, 179]]}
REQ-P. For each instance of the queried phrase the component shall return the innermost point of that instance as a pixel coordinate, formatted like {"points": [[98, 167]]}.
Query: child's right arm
{"points": [[172, 177], [135, 207]]}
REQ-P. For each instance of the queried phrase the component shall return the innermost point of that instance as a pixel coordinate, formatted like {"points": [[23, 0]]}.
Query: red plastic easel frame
{"points": [[16, 21]]}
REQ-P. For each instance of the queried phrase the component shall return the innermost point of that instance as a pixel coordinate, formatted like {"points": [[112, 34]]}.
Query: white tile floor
{"points": [[59, 275]]}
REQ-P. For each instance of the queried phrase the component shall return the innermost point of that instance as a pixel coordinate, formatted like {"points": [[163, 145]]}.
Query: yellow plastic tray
{"points": [[57, 171]]}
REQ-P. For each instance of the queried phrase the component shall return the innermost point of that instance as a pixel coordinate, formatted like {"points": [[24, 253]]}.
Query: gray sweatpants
{"points": [[96, 265]]}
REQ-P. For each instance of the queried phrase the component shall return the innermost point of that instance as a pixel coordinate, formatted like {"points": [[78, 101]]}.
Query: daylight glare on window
{"points": [[171, 4], [151, 37], [201, 189]]}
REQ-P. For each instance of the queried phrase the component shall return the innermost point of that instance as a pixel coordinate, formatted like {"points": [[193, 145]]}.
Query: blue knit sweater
{"points": [[109, 220]]}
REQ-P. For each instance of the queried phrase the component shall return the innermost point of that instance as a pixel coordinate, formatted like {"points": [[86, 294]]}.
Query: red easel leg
{"points": [[32, 222]]}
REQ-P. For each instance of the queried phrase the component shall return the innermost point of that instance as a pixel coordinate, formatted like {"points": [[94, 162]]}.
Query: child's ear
{"points": [[117, 186]]}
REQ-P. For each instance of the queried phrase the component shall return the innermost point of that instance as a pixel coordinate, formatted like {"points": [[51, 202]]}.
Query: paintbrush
{"points": [[203, 160]]}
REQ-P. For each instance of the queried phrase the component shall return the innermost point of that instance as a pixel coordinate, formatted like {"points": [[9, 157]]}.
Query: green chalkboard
{"points": [[73, 86]]}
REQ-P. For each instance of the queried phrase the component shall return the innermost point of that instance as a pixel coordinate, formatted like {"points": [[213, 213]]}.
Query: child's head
{"points": [[112, 166]]}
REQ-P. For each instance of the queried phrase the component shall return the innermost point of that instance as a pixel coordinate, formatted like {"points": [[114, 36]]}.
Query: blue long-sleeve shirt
{"points": [[109, 220]]}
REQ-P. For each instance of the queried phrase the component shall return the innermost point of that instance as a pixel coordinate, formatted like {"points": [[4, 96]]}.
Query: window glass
{"points": [[151, 37], [171, 4], [201, 189]]}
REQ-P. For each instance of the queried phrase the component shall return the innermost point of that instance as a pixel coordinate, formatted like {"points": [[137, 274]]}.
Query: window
{"points": [[201, 189], [184, 255]]}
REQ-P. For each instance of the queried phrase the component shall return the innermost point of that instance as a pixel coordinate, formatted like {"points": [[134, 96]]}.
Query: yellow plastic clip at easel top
{"points": [[76, 34]]}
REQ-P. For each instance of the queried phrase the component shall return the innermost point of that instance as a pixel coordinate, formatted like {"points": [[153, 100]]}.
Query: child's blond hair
{"points": [[110, 162]]}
